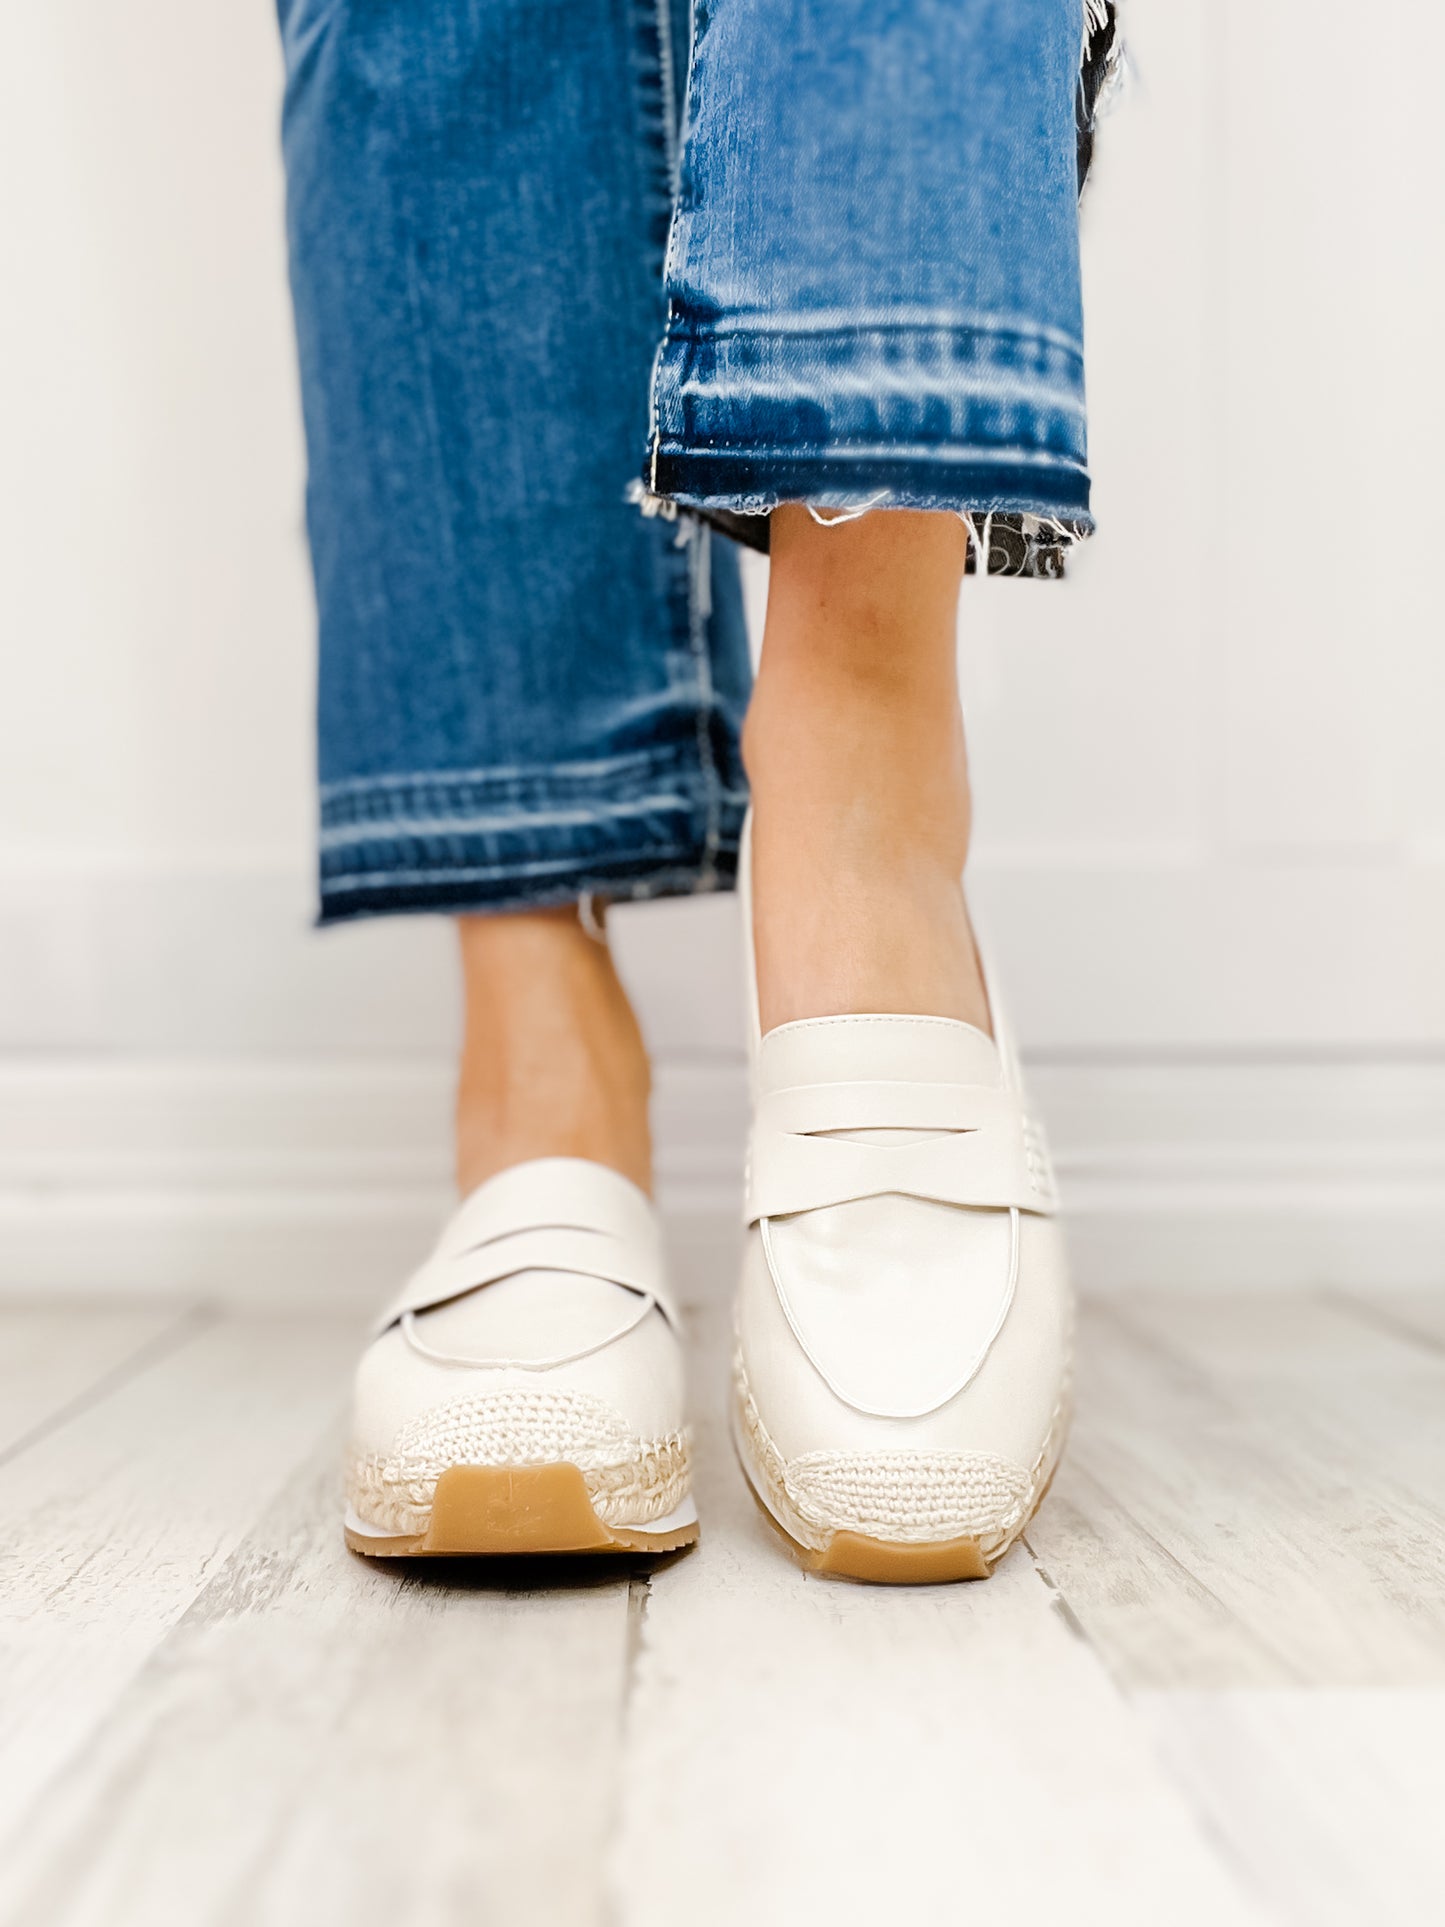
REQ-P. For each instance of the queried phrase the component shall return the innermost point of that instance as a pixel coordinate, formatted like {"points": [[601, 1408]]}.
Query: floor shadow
{"points": [[525, 1573]]}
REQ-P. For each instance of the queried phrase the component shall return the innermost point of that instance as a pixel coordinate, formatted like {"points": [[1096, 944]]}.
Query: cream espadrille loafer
{"points": [[525, 1392], [904, 1321]]}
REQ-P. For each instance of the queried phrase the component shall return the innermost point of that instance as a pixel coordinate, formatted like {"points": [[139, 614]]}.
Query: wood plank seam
{"points": [[1383, 1319], [190, 1323]]}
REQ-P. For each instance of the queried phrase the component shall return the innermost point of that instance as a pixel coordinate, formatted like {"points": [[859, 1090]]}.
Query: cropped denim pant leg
{"points": [[555, 262]]}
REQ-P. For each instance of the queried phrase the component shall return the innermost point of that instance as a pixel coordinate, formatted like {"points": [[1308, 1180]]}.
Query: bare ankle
{"points": [[553, 1062]]}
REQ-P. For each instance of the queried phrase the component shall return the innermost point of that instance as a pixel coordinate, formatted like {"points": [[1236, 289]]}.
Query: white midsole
{"points": [[680, 1516]]}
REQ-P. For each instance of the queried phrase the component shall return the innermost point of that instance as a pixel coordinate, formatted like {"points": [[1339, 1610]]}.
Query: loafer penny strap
{"points": [[966, 1144], [513, 1229]]}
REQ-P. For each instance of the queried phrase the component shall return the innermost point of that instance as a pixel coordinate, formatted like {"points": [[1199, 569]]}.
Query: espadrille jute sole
{"points": [[482, 1511], [891, 1562]]}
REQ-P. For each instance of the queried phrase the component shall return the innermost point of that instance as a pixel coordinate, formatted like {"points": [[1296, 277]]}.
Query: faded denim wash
{"points": [[853, 279]]}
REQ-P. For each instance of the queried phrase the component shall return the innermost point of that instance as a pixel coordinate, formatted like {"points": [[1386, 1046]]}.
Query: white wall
{"points": [[1211, 793]]}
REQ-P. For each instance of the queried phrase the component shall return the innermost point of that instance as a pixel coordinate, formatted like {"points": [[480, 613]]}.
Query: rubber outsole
{"points": [[851, 1555], [489, 1511]]}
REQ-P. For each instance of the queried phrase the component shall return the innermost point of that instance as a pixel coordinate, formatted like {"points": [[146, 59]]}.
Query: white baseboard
{"points": [[320, 1183]]}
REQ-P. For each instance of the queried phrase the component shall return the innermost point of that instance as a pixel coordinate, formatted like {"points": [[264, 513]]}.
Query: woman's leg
{"points": [[527, 691], [875, 308], [855, 754], [528, 694]]}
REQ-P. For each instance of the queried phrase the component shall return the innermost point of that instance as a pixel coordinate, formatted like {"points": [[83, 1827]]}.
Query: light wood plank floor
{"points": [[1211, 1687]]}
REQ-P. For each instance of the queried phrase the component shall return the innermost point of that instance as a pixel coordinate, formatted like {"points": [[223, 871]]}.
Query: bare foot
{"points": [[855, 751], [553, 1063]]}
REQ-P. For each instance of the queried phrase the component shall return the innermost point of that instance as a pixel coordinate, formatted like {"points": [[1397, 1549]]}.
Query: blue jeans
{"points": [[527, 308]]}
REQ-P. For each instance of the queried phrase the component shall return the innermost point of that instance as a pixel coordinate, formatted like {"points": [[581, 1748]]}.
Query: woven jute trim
{"points": [[630, 1481], [905, 1498]]}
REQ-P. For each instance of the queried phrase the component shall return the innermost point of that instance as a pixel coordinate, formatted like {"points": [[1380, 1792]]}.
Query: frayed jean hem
{"points": [[483, 842], [984, 421]]}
